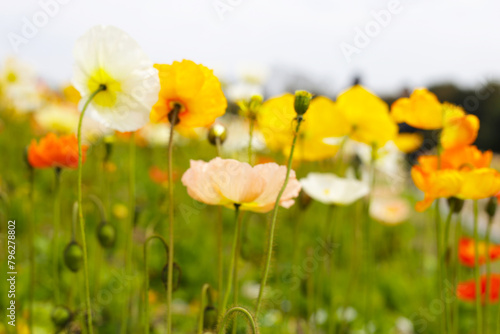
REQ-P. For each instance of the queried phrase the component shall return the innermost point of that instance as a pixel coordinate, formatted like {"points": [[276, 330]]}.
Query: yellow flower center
{"points": [[326, 191], [107, 97]]}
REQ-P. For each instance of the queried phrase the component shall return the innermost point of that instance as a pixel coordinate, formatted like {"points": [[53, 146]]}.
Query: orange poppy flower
{"points": [[52, 151], [459, 128], [466, 291], [194, 89], [160, 176], [466, 252], [461, 172]]}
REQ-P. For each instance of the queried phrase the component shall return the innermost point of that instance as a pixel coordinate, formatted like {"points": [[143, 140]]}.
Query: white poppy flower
{"points": [[106, 56], [331, 189]]}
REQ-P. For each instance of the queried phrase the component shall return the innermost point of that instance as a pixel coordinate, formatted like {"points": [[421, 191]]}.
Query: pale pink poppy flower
{"points": [[228, 182]]}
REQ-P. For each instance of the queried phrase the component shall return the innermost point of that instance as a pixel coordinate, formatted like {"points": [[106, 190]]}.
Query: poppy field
{"points": [[150, 198]]}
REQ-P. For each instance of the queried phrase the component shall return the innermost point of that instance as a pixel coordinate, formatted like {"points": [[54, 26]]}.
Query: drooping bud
{"points": [[210, 317], [455, 204], [61, 316], [106, 234], [491, 207], [73, 256], [302, 101], [217, 132], [176, 277]]}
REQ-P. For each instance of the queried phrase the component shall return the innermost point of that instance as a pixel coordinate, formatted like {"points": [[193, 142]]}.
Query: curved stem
{"points": [[205, 292], [146, 278], [128, 240], [55, 237], [476, 270], [273, 222], [80, 211], [245, 312], [173, 121], [100, 206], [234, 258]]}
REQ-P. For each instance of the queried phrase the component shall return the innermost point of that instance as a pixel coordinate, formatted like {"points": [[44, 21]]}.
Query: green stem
{"points": [[476, 270], [31, 238], [368, 256], [80, 211], [331, 278], [235, 275], [173, 121], [488, 276], [128, 241], [456, 268], [440, 265], [445, 265], [205, 295], [273, 222], [55, 237], [234, 258], [248, 315], [250, 133], [146, 278]]}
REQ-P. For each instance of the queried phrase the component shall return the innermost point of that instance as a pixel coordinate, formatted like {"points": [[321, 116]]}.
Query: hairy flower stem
{"points": [[173, 120], [476, 270], [273, 222], [248, 315], [80, 211], [128, 240], [55, 237], [234, 258], [146, 278]]}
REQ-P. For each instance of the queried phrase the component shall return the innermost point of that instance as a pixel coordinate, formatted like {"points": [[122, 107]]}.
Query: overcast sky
{"points": [[423, 42]]}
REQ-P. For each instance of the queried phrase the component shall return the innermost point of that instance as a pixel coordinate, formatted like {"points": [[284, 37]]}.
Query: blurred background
{"points": [[450, 46]]}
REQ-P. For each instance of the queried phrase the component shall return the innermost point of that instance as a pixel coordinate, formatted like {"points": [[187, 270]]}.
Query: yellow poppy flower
{"points": [[194, 89], [480, 183], [459, 128], [421, 110], [408, 142], [275, 121], [367, 116]]}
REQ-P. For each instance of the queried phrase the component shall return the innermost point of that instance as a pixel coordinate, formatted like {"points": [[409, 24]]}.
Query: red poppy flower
{"points": [[466, 291], [466, 252], [52, 151]]}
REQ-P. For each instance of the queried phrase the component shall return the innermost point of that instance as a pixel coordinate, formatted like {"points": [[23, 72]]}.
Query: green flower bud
{"points": [[250, 108], [210, 318], [106, 234], [217, 131], [302, 101], [491, 207], [61, 316], [456, 204], [176, 277], [73, 256]]}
